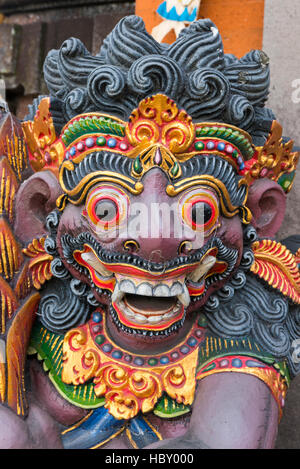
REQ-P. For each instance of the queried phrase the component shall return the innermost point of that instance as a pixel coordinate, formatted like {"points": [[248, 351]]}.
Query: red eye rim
{"points": [[109, 193], [213, 217], [106, 224], [189, 199]]}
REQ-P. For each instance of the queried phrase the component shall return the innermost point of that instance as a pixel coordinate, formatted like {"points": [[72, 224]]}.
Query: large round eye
{"points": [[106, 207], [199, 209], [106, 210], [200, 213]]}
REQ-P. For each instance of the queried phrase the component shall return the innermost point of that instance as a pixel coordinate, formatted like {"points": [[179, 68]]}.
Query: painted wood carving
{"points": [[144, 300]]}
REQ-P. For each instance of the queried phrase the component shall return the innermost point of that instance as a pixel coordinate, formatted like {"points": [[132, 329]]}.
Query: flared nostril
{"points": [[185, 247], [131, 246]]}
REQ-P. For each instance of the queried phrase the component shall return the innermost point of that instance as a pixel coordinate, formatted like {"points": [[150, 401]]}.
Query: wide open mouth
{"points": [[142, 300], [166, 290], [148, 313]]}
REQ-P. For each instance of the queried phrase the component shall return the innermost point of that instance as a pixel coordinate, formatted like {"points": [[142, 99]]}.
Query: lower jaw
{"points": [[146, 342], [163, 329]]}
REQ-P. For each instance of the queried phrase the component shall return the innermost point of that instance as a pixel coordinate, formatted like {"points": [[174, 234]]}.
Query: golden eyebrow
{"points": [[228, 209]]}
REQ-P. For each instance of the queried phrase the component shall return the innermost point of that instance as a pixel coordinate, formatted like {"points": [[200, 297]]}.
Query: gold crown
{"points": [[158, 123]]}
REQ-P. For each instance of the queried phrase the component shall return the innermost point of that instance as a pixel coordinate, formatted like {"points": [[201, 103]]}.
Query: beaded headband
{"points": [[157, 124]]}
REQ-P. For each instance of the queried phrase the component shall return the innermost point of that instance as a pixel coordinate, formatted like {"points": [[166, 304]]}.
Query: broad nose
{"points": [[155, 225]]}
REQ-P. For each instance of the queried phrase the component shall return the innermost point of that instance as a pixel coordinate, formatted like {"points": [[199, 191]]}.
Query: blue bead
{"points": [[164, 360], [73, 151], [254, 364], [221, 146], [242, 166], [107, 348], [117, 354], [237, 363], [138, 361], [97, 317], [90, 142], [68, 155], [112, 142], [192, 341], [184, 349]]}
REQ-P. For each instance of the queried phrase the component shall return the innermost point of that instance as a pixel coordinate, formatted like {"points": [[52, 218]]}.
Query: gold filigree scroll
{"points": [[277, 266], [40, 262], [159, 121], [274, 159], [127, 389], [40, 136]]}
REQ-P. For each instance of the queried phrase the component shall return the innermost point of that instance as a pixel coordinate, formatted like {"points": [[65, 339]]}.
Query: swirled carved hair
{"points": [[131, 65], [248, 308]]}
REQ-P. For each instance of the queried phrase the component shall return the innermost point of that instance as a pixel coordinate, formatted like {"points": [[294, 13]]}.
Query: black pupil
{"points": [[201, 213], [106, 210]]}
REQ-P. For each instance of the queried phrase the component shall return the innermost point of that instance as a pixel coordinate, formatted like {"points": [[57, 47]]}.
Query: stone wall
{"points": [[30, 28], [281, 43]]}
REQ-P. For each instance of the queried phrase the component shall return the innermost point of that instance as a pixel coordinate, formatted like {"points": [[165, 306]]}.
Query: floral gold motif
{"points": [[277, 266], [39, 265], [158, 120], [127, 389], [273, 159], [45, 149]]}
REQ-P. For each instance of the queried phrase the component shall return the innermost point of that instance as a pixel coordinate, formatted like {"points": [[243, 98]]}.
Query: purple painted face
{"points": [[158, 255], [154, 223]]}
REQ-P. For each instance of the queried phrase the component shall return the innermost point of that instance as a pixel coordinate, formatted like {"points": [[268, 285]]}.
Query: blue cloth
{"points": [[100, 426], [141, 433], [174, 16]]}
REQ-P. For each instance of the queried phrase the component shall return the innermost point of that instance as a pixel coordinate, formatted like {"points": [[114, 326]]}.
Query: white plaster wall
{"points": [[282, 44]]}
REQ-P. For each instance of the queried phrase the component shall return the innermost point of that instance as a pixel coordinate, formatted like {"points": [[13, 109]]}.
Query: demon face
{"points": [[154, 219], [159, 159]]}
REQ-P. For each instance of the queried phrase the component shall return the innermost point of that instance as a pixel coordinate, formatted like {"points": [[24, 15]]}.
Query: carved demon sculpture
{"points": [[145, 302]]}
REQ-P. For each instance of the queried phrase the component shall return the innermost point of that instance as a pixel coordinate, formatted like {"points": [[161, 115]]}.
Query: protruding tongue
{"points": [[146, 305]]}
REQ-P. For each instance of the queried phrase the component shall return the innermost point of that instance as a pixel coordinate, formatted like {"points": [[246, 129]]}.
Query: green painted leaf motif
{"points": [[227, 133], [137, 166], [175, 169], [169, 408], [48, 347], [95, 122], [90, 125]]}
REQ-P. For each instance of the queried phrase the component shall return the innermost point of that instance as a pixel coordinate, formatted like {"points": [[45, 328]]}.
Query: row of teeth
{"points": [[155, 319], [162, 290], [164, 332], [145, 289]]}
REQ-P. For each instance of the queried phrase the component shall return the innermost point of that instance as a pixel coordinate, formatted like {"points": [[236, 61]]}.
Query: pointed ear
{"points": [[35, 199], [267, 202]]}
